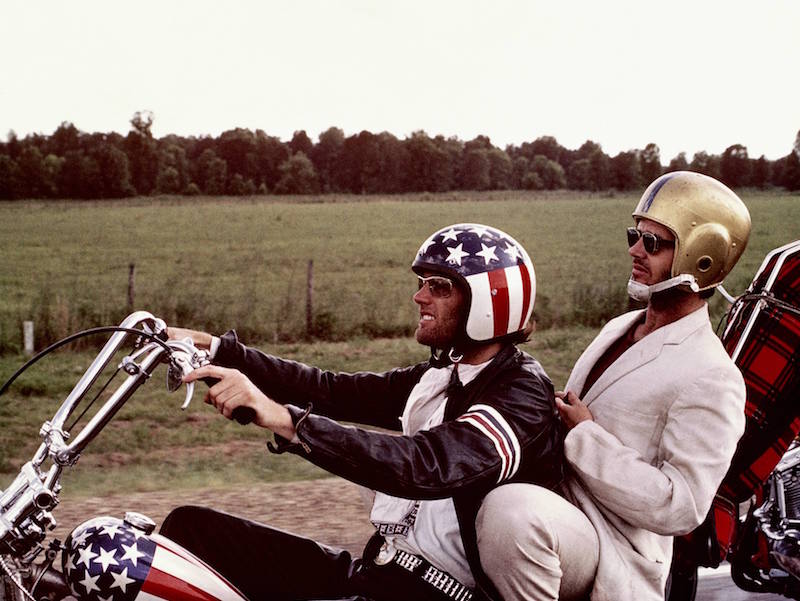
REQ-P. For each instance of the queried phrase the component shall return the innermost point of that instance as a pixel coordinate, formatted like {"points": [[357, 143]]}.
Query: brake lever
{"points": [[242, 415], [179, 366], [189, 394], [183, 360]]}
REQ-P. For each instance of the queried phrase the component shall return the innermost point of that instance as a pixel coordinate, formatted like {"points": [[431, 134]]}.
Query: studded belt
{"points": [[422, 569]]}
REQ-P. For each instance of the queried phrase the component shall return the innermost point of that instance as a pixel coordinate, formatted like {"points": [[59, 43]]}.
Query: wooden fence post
{"points": [[27, 337], [131, 286], [310, 299]]}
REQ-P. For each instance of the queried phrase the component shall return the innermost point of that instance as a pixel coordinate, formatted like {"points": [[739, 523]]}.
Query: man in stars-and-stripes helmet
{"points": [[479, 413], [496, 275]]}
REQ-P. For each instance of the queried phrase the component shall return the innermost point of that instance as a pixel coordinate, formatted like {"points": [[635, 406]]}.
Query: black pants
{"points": [[267, 564]]}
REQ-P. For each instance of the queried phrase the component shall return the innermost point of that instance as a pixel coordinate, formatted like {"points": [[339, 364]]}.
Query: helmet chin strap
{"points": [[442, 357], [642, 292], [455, 356]]}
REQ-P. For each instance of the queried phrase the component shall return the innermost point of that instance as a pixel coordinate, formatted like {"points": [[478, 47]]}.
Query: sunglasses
{"points": [[439, 287], [650, 241]]}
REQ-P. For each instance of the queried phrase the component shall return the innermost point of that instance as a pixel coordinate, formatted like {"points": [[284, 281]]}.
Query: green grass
{"points": [[218, 263]]}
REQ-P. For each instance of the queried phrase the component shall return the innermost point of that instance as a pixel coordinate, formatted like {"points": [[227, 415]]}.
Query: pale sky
{"points": [[688, 75]]}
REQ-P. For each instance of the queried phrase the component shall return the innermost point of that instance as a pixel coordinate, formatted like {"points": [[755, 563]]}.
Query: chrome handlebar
{"points": [[26, 504]]}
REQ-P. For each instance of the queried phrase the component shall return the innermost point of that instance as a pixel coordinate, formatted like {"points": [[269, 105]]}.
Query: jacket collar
{"points": [[641, 353], [459, 396], [441, 358]]}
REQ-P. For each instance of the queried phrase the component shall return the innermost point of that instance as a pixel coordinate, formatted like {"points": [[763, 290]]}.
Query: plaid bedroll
{"points": [[768, 359]]}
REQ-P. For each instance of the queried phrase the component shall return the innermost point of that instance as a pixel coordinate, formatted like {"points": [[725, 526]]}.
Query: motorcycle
{"points": [[104, 558], [754, 522]]}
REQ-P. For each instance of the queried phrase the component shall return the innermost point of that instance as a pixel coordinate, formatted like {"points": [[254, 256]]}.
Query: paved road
{"points": [[716, 585]]}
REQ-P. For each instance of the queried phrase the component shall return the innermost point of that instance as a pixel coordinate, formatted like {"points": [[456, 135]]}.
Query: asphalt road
{"points": [[716, 585]]}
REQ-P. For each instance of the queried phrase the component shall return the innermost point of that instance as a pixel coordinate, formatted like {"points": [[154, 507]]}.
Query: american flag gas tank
{"points": [[108, 559]]}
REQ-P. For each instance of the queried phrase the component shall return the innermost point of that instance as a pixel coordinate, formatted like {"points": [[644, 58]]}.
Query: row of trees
{"points": [[74, 164]]}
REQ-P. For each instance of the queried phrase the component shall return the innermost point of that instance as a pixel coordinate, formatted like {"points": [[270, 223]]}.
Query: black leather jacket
{"points": [[453, 459]]}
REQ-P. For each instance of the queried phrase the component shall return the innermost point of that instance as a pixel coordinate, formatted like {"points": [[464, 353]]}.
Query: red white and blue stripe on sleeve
{"points": [[494, 426]]}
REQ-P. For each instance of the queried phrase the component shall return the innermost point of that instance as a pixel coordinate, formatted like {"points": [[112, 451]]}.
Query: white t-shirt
{"points": [[427, 528]]}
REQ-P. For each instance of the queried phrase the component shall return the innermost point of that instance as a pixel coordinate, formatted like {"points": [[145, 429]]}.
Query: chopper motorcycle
{"points": [[105, 558]]}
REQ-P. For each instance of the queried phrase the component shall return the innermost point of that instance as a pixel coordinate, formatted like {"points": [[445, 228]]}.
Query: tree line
{"points": [[74, 164]]}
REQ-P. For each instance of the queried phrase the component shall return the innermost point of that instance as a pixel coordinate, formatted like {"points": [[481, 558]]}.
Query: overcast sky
{"points": [[687, 75]]}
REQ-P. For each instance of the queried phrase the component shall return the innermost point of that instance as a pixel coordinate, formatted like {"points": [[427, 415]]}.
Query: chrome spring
{"points": [[791, 488]]}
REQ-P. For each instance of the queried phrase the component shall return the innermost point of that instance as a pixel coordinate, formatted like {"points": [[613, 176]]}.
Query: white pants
{"points": [[535, 545]]}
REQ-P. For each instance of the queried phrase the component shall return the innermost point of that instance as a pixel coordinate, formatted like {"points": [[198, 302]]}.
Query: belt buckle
{"points": [[385, 554]]}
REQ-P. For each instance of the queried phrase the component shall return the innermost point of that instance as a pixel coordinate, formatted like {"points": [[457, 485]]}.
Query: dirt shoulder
{"points": [[330, 510]]}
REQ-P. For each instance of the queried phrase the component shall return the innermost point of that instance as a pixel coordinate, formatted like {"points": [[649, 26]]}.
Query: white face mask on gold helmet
{"points": [[710, 223], [642, 292]]}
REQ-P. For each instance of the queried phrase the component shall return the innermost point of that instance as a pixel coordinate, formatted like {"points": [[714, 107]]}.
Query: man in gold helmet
{"points": [[653, 409]]}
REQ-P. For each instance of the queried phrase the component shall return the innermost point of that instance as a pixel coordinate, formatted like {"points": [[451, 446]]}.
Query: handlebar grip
{"points": [[243, 415]]}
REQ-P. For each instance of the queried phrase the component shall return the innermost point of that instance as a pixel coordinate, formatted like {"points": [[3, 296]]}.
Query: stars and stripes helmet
{"points": [[492, 268]]}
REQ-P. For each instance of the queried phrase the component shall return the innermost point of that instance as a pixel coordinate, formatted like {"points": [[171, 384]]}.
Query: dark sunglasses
{"points": [[439, 287], [650, 241]]}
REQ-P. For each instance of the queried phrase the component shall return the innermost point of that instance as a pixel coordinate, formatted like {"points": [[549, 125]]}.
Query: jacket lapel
{"points": [[611, 332], [641, 353]]}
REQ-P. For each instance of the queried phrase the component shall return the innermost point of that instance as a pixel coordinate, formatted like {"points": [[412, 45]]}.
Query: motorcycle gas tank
{"points": [[108, 559]]}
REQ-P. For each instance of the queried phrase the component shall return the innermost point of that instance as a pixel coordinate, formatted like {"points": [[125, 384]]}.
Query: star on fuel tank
{"points": [[121, 580], [106, 558], [85, 556], [90, 583], [132, 554]]}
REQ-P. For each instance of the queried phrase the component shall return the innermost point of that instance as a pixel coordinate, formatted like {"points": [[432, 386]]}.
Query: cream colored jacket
{"points": [[667, 416]]}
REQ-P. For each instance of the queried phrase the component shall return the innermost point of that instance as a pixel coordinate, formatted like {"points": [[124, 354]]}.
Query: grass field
{"points": [[218, 263]]}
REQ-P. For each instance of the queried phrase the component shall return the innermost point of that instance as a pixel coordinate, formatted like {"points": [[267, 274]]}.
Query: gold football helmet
{"points": [[710, 222]]}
